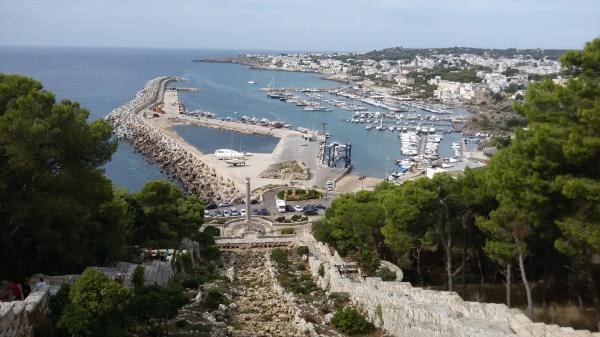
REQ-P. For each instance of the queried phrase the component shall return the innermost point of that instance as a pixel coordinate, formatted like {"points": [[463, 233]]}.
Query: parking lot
{"points": [[267, 207]]}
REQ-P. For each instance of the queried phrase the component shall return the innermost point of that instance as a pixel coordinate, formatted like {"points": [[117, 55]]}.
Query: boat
{"points": [[252, 80], [369, 126]]}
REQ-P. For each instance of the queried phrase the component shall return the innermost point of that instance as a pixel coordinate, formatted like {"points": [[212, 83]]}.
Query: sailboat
{"points": [[252, 78], [380, 127]]}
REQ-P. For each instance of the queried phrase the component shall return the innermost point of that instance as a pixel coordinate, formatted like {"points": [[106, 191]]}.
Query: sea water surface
{"points": [[102, 79]]}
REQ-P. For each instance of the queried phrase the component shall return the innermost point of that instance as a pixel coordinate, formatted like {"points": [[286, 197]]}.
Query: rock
{"points": [[328, 317], [198, 297]]}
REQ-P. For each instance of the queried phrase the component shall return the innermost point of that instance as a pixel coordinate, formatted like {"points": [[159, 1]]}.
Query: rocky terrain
{"points": [[261, 311], [291, 169]]}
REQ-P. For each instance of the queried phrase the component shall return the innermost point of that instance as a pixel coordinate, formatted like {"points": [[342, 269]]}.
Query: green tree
{"points": [[428, 210], [58, 211], [96, 306], [352, 224], [162, 215], [154, 305]]}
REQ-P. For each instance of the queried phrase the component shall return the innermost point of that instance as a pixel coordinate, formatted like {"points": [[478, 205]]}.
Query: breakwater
{"points": [[195, 175]]}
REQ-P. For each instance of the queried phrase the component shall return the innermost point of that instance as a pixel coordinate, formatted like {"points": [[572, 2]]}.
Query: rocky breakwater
{"points": [[152, 142]]}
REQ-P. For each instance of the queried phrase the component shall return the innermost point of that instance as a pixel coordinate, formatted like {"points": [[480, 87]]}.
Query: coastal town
{"points": [[486, 82], [300, 169]]}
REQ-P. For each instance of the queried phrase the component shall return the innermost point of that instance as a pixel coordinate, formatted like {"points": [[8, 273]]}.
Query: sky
{"points": [[312, 25]]}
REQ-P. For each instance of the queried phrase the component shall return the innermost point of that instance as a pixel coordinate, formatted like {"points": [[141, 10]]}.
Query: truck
{"points": [[280, 205]]}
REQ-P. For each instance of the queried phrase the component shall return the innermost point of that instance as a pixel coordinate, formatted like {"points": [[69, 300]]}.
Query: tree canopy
{"points": [[56, 207]]}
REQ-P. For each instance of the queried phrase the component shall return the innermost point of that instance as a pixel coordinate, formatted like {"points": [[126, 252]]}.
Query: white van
{"points": [[280, 205]]}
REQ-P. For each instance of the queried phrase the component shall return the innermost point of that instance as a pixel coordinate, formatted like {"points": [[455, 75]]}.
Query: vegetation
{"points": [[59, 212], [293, 276], [213, 298], [287, 231], [302, 250], [297, 194], [350, 321], [400, 53], [280, 257], [533, 209], [386, 274]]}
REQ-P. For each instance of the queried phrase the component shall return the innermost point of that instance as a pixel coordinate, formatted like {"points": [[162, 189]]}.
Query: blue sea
{"points": [[104, 78]]}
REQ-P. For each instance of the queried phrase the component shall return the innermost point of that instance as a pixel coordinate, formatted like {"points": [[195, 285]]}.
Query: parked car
{"points": [[224, 204], [226, 212], [310, 208], [289, 208], [255, 211], [242, 211], [320, 206], [311, 212], [209, 214], [219, 213], [211, 205], [234, 211], [263, 212], [298, 208]]}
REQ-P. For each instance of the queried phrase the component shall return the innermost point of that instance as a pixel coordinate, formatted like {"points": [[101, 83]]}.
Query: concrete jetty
{"points": [[195, 175], [151, 132]]}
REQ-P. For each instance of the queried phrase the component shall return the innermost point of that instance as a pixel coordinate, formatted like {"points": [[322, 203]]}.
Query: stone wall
{"points": [[15, 316], [194, 174], [404, 310]]}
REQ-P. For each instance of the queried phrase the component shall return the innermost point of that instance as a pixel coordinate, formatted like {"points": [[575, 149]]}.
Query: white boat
{"points": [[369, 126], [252, 79]]}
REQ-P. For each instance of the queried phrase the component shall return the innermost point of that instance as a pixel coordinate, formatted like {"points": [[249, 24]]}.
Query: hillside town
{"points": [[451, 78]]}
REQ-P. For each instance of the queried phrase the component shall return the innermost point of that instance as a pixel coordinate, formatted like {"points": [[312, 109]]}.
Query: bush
{"points": [[137, 279], [294, 194], [280, 218], [190, 283], [213, 298], [304, 218], [302, 250], [321, 270], [386, 274], [280, 257], [350, 321], [368, 261], [214, 231], [297, 217], [287, 231]]}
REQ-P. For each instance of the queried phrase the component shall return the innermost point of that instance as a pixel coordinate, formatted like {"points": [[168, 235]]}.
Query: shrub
{"points": [[280, 257], [296, 217], [213, 298], [386, 274], [303, 285], [214, 231], [302, 250], [304, 218], [137, 278], [321, 270], [287, 231], [340, 300], [368, 261], [350, 321], [280, 218], [190, 283]]}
